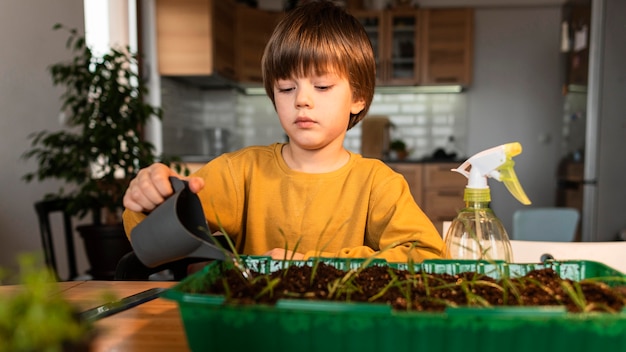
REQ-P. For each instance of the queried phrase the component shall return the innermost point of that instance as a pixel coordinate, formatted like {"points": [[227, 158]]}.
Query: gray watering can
{"points": [[174, 230]]}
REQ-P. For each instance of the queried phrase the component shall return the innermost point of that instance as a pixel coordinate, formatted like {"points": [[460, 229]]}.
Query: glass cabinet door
{"points": [[394, 37], [372, 21]]}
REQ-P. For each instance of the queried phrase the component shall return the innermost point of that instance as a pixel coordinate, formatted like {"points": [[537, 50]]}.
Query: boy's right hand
{"points": [[152, 186]]}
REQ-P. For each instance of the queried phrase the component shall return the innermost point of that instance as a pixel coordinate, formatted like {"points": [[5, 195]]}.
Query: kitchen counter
{"points": [[424, 161]]}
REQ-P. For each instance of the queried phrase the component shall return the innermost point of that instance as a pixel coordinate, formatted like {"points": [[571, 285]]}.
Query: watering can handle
{"points": [[178, 184]]}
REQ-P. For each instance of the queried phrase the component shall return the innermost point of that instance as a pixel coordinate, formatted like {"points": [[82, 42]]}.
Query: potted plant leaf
{"points": [[34, 317], [101, 149]]}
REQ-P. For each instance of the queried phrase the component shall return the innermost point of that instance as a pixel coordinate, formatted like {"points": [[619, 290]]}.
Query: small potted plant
{"points": [[102, 148], [398, 149], [34, 318]]}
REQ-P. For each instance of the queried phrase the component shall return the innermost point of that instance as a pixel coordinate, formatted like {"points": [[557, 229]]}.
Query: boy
{"points": [[310, 196]]}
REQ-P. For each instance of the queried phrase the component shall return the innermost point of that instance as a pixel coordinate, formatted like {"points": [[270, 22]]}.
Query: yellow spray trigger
{"points": [[509, 178]]}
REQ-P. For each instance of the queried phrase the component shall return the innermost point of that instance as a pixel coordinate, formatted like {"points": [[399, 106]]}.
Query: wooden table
{"points": [[152, 326]]}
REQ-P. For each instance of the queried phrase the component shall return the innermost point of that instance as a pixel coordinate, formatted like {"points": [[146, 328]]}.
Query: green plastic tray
{"points": [[296, 325]]}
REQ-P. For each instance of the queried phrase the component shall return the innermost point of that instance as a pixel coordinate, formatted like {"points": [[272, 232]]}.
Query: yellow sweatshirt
{"points": [[362, 209]]}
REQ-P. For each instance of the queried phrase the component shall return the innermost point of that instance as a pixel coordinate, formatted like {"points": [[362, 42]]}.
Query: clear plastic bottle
{"points": [[476, 233]]}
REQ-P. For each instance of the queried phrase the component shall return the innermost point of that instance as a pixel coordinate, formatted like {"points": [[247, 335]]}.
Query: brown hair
{"points": [[320, 37]]}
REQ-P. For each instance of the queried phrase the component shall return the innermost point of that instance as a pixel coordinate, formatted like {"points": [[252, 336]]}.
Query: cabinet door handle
{"points": [[449, 80], [449, 193]]}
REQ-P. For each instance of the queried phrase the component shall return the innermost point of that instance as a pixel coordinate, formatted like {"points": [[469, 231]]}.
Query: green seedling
{"points": [[268, 289], [319, 250], [392, 283], [240, 264], [346, 283], [227, 291], [472, 299], [574, 292], [287, 262]]}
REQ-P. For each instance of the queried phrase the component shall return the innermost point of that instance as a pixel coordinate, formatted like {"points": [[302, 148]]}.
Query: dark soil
{"points": [[419, 291]]}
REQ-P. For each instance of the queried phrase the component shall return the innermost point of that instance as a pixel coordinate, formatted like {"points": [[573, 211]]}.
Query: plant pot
{"points": [[105, 245], [334, 326], [398, 154], [402, 154]]}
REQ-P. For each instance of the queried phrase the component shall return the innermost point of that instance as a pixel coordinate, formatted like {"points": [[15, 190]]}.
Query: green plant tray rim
{"points": [[298, 325]]}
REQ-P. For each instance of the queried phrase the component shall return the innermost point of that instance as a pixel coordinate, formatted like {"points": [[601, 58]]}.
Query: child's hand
{"points": [[281, 253], [152, 186]]}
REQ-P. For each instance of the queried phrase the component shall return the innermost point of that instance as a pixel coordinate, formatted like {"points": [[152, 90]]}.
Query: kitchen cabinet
{"points": [[412, 172], [570, 187], [195, 37], [253, 30], [425, 46], [412, 46], [443, 192], [202, 38], [577, 15], [395, 37], [447, 46], [436, 189]]}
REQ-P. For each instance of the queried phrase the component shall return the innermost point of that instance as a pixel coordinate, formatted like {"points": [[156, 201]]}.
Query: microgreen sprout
{"points": [[268, 288]]}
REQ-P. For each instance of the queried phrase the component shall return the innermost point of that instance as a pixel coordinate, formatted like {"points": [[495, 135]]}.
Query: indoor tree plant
{"points": [[102, 148]]}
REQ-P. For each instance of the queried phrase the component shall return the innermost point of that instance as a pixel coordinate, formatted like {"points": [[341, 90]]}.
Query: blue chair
{"points": [[545, 224]]}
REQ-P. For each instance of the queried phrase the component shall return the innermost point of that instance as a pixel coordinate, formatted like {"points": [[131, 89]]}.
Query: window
{"points": [[110, 23]]}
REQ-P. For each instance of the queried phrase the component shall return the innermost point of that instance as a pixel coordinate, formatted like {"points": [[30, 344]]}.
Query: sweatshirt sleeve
{"points": [[131, 219]]}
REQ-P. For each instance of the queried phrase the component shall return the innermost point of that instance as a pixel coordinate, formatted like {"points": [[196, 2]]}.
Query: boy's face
{"points": [[314, 110]]}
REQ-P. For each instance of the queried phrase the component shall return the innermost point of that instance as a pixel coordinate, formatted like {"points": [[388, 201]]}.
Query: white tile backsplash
{"points": [[384, 108], [413, 108], [424, 121]]}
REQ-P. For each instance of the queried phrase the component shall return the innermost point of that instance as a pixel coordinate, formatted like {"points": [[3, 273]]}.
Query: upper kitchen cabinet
{"points": [[447, 46], [253, 31], [202, 38], [395, 37], [195, 37], [577, 22]]}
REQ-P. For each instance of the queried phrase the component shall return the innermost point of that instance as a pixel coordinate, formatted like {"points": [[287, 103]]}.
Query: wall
{"points": [[516, 96], [28, 103]]}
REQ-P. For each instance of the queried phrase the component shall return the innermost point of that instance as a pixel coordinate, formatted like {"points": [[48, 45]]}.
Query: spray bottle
{"points": [[476, 233]]}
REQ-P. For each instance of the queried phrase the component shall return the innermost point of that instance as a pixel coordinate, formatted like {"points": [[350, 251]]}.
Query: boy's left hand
{"points": [[281, 253]]}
